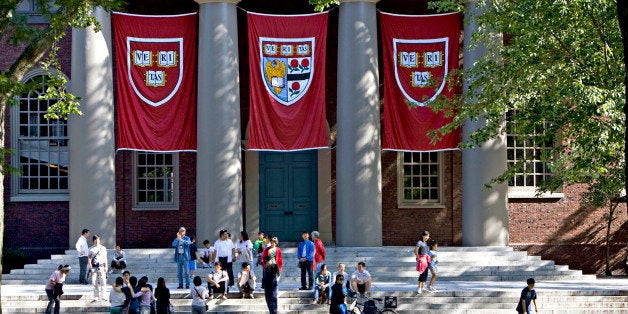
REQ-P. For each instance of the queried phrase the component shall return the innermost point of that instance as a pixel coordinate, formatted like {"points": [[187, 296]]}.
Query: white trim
{"points": [[531, 193], [280, 15], [422, 15], [155, 16]]}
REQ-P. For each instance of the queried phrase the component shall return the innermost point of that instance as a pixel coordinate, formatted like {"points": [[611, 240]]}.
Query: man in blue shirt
{"points": [[305, 254], [181, 246]]}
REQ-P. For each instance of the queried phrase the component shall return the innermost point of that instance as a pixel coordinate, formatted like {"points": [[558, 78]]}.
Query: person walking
{"points": [[83, 250], [305, 254], [181, 246], [527, 298], [421, 252], [225, 253], [271, 283], [319, 251], [433, 264], [54, 288], [98, 261]]}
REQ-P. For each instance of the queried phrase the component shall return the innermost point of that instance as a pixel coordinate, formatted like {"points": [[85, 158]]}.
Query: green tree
{"points": [[39, 45], [557, 67]]}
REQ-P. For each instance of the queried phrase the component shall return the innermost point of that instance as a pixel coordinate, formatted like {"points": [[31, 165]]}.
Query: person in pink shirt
{"points": [[54, 288], [319, 252]]}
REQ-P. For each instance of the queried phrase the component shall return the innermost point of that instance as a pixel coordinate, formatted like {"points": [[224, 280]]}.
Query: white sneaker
{"points": [[419, 291], [431, 289]]}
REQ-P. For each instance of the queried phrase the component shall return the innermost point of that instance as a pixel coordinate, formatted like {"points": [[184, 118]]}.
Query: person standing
{"points": [[194, 257], [528, 296], [258, 248], [54, 288], [271, 283], [319, 251], [421, 252], [83, 250], [199, 295], [244, 248], [117, 297], [162, 294], [433, 264], [305, 254], [98, 261], [225, 253], [181, 246]]}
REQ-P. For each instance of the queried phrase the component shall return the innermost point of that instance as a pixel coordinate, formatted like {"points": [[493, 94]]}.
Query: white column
{"points": [[484, 212], [92, 140], [218, 161], [358, 159]]}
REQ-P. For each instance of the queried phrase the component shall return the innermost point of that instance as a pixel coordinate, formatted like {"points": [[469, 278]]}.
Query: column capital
{"points": [[345, 1], [217, 1]]}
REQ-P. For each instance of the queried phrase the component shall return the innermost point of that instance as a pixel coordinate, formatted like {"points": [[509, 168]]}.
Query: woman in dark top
{"points": [[338, 295], [162, 294]]}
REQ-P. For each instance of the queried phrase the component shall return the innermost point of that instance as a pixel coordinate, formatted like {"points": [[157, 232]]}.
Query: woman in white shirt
{"points": [[199, 295], [117, 297], [244, 248]]}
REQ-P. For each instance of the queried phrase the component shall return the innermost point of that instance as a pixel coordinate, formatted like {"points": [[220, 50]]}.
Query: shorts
{"points": [[433, 269], [361, 287], [192, 265]]}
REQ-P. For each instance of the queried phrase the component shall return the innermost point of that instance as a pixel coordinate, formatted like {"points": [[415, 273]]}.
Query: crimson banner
{"points": [[419, 53], [287, 81], [156, 81]]}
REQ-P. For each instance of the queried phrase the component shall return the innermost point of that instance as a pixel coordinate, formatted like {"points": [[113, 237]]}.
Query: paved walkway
{"points": [[604, 284]]}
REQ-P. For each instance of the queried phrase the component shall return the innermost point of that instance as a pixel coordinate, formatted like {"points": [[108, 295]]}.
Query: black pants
{"points": [[218, 290], [306, 267], [270, 295], [228, 267]]}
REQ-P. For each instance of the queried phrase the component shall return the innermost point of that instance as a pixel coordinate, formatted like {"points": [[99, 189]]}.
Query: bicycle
{"points": [[373, 305]]}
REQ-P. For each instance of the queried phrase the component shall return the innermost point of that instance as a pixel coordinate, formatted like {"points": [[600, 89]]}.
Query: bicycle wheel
{"points": [[388, 311]]}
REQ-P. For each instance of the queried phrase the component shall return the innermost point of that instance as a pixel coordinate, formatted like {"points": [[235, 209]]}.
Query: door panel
{"points": [[288, 193]]}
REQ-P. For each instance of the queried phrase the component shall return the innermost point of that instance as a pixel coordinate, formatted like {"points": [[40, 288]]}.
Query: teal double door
{"points": [[288, 193]]}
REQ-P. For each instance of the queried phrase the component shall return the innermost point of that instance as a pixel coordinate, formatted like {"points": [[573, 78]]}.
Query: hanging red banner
{"points": [[419, 54], [287, 82], [156, 76]]}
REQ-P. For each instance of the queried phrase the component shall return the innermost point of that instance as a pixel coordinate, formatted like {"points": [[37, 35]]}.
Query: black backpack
{"points": [[370, 307]]}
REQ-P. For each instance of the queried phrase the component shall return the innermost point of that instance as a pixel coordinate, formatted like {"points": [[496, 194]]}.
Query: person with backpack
{"points": [[54, 288]]}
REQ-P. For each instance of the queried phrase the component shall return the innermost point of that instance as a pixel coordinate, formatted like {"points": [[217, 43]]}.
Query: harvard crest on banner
{"points": [[419, 54], [156, 73], [287, 75]]}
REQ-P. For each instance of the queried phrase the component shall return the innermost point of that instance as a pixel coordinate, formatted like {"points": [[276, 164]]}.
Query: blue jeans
{"points": [[183, 269], [83, 269], [317, 291], [52, 301]]}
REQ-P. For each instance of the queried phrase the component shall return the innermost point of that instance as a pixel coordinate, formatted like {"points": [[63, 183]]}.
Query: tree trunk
{"points": [[609, 223], [622, 17]]}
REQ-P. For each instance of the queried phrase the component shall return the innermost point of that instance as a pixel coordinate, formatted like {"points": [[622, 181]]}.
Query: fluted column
{"points": [[219, 160], [358, 159], [484, 212], [92, 151]]}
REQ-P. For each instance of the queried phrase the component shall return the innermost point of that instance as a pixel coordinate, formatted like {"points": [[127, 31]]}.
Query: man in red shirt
{"points": [[319, 252]]}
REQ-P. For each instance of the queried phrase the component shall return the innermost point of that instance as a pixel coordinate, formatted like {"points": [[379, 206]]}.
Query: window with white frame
{"points": [[156, 180], [534, 158], [419, 179], [39, 146]]}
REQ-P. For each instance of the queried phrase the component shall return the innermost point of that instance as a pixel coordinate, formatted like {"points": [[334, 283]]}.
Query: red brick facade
{"points": [[561, 229]]}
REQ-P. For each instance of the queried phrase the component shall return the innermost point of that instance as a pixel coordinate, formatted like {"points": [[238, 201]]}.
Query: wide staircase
{"points": [[471, 280]]}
